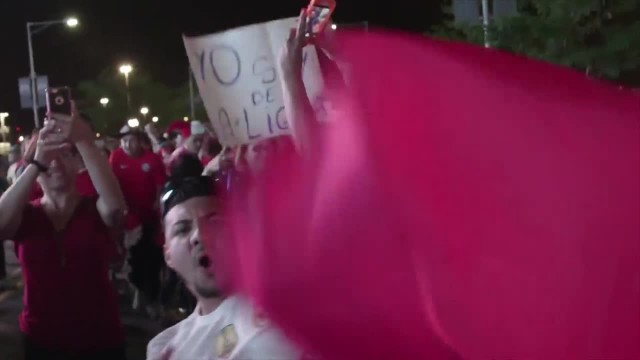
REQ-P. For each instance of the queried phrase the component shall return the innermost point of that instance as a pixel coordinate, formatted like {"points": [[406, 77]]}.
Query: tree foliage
{"points": [[600, 37], [164, 102]]}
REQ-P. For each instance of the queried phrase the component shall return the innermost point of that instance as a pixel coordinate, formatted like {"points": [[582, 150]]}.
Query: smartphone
{"points": [[59, 100], [318, 14]]}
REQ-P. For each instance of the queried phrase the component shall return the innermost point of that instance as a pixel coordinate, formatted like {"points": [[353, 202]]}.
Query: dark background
{"points": [[148, 34]]}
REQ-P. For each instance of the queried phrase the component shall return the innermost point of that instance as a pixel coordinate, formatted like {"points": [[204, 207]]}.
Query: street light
{"points": [[72, 22], [186, 118], [133, 123], [21, 138], [39, 26], [154, 119], [144, 110], [334, 26], [125, 69], [104, 101]]}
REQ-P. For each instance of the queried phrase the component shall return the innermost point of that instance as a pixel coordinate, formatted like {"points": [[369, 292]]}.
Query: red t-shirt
{"points": [[140, 178], [69, 303], [84, 185]]}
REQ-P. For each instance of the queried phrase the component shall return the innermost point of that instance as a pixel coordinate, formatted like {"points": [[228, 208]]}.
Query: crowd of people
{"points": [[136, 212], [496, 255]]}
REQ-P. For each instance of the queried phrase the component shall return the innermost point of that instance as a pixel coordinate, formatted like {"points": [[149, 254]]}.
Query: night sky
{"points": [[148, 34]]}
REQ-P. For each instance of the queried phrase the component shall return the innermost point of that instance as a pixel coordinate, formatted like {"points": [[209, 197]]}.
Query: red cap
{"points": [[181, 127]]}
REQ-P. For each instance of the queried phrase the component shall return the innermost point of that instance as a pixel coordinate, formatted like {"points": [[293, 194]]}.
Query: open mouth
{"points": [[204, 261]]}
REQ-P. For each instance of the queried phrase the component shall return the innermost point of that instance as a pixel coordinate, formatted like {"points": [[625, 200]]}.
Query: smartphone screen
{"points": [[59, 100], [318, 17]]}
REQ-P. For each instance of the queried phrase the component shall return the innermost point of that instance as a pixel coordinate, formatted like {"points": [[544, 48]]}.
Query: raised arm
{"points": [[154, 136], [14, 200], [298, 109], [111, 204]]}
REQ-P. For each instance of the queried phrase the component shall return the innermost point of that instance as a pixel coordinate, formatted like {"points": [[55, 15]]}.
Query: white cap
{"points": [[125, 130], [197, 128]]}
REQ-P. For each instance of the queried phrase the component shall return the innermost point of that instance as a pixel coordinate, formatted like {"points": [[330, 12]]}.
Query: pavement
{"points": [[139, 328]]}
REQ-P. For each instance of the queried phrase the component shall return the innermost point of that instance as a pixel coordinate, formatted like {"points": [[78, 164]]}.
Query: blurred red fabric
{"points": [[465, 203]]}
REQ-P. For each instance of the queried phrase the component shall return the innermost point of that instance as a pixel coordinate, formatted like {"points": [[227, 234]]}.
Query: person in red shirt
{"points": [[141, 175], [193, 144], [63, 244], [166, 149]]}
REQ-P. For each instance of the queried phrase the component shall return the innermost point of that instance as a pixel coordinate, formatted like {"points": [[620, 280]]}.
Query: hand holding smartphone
{"points": [[319, 13], [62, 124], [59, 100]]}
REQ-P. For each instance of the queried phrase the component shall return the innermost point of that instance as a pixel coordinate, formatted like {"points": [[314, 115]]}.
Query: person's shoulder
{"points": [[263, 339], [159, 343], [268, 342]]}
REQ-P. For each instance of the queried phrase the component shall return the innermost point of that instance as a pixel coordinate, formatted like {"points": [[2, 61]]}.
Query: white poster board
{"points": [[237, 76]]}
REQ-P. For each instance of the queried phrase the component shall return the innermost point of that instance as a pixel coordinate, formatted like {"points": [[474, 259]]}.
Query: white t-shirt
{"points": [[234, 331]]}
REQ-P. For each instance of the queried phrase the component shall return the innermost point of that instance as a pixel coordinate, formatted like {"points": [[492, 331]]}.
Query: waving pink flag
{"points": [[466, 203]]}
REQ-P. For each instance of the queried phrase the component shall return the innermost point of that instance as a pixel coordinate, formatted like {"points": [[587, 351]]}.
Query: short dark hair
{"points": [[185, 182]]}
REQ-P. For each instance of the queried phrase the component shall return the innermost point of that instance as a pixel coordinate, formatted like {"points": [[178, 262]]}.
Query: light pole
{"points": [[38, 27], [104, 101], [125, 69], [154, 119], [485, 22]]}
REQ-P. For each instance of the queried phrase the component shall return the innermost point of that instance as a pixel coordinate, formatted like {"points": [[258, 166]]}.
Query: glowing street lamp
{"points": [[21, 138], [125, 69], [144, 110], [104, 101], [133, 123], [154, 119], [334, 26], [186, 118], [72, 22]]}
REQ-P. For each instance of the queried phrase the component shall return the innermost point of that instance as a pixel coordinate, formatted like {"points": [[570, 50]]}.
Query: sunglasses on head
{"points": [[179, 190]]}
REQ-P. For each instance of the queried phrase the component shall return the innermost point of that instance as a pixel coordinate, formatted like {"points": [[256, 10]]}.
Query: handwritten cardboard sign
{"points": [[237, 76]]}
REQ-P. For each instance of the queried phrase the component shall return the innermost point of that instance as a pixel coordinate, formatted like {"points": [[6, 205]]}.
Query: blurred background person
{"points": [[178, 132], [167, 148], [193, 143], [155, 137], [141, 175]]}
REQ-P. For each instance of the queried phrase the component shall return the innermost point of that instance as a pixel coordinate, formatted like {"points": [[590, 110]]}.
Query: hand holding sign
{"points": [[290, 59], [237, 76]]}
